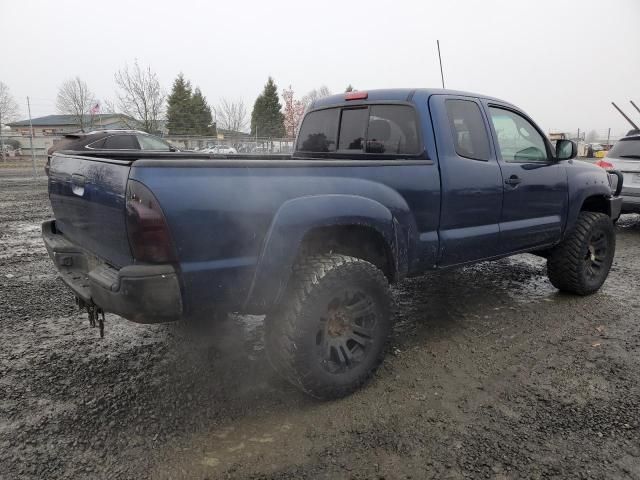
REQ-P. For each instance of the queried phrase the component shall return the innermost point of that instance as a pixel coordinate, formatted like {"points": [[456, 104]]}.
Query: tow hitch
{"points": [[94, 313]]}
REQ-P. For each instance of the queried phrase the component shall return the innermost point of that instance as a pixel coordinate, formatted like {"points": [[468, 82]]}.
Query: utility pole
{"points": [[608, 137], [440, 60], [2, 140], [33, 155], [578, 136]]}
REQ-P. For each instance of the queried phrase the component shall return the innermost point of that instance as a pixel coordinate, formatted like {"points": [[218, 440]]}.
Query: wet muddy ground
{"points": [[491, 374]]}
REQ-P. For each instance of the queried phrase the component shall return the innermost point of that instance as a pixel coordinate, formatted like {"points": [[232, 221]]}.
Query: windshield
{"points": [[626, 148]]}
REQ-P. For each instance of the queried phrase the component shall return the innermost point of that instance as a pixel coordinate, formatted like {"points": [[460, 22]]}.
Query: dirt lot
{"points": [[492, 374]]}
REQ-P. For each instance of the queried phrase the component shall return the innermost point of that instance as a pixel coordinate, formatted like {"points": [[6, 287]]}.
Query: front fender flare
{"points": [[293, 220], [584, 186]]}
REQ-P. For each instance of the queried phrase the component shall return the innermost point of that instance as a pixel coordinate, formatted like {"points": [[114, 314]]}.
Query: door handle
{"points": [[513, 180]]}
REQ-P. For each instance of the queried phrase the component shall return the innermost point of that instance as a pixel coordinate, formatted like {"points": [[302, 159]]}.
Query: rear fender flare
{"points": [[294, 220]]}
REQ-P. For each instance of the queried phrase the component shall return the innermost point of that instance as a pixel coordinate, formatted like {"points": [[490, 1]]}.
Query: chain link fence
{"points": [[15, 147], [241, 143]]}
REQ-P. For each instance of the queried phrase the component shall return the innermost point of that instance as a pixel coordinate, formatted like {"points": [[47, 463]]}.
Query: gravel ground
{"points": [[492, 374]]}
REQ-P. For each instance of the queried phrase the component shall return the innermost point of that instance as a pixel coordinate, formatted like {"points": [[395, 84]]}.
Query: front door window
{"points": [[518, 140]]}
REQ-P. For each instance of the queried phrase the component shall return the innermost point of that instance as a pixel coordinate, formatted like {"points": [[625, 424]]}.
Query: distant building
{"points": [[555, 136], [57, 125]]}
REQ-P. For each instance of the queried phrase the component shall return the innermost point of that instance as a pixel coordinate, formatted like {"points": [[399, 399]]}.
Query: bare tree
{"points": [[110, 107], [75, 98], [9, 110], [293, 112], [315, 94], [230, 115], [140, 96]]}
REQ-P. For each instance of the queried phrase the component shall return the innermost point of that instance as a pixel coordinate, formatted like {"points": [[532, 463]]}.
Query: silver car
{"points": [[625, 157]]}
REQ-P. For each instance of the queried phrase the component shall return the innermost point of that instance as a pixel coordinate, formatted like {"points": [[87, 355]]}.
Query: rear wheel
{"points": [[329, 335], [581, 263]]}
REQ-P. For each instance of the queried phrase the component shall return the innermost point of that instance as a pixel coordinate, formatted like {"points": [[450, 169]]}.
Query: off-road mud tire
{"points": [[291, 331], [568, 265]]}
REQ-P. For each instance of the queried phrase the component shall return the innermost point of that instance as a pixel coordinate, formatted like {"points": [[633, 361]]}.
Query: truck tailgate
{"points": [[88, 200]]}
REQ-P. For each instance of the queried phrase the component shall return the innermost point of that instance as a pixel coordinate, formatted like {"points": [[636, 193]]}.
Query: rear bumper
{"points": [[630, 204], [141, 293], [615, 207]]}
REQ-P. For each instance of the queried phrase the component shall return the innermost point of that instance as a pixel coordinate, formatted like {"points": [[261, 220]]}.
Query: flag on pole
{"points": [[95, 109]]}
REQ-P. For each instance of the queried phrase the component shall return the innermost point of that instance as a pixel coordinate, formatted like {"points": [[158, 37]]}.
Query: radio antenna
{"points": [[440, 59]]}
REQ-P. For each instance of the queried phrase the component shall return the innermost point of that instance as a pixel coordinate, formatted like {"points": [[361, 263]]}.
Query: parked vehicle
{"points": [[109, 140], [112, 140], [261, 149], [226, 150], [382, 185], [595, 150], [220, 150], [624, 157]]}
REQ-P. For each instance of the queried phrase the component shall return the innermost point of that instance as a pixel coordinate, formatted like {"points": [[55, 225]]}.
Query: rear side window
{"points": [[97, 143], [121, 142], [470, 137], [319, 131], [392, 129], [384, 129], [626, 148], [147, 142]]}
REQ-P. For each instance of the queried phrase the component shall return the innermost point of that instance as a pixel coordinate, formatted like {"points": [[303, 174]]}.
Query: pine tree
{"points": [[349, 89], [179, 107], [200, 114], [267, 119]]}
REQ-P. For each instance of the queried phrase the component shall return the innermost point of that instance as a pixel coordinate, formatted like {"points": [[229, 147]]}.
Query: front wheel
{"points": [[330, 333], [581, 263]]}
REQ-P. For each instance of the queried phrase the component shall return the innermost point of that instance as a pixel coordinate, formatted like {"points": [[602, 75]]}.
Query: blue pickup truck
{"points": [[382, 185]]}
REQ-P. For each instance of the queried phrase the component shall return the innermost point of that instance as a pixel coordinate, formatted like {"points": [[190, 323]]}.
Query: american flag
{"points": [[95, 109]]}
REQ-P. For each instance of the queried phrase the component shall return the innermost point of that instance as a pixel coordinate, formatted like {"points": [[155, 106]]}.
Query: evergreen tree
{"points": [[349, 89], [267, 119], [200, 114], [179, 107]]}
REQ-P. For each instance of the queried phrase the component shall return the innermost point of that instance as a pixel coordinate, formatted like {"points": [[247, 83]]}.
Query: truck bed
{"points": [[230, 214]]}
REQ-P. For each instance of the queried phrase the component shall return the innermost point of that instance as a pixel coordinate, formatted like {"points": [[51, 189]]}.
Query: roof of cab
{"points": [[397, 95]]}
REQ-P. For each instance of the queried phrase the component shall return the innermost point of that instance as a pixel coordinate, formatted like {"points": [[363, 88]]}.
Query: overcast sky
{"points": [[561, 61]]}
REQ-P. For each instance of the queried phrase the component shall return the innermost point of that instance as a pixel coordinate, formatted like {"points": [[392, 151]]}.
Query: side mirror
{"points": [[566, 149]]}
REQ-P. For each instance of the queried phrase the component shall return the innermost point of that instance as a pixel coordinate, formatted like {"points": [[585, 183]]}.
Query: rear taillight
{"points": [[604, 164], [147, 228]]}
